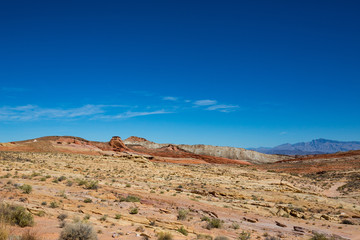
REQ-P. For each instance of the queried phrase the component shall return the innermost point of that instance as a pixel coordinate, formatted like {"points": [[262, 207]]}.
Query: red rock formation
{"points": [[117, 144], [136, 139]]}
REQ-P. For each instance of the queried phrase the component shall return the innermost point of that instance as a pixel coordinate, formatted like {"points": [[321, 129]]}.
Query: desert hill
{"points": [[115, 147]]}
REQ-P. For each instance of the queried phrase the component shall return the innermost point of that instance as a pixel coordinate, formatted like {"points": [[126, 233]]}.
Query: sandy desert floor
{"points": [[207, 200]]}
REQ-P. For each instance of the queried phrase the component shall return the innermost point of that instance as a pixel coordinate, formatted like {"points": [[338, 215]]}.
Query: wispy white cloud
{"points": [[223, 108], [168, 98], [283, 133], [206, 102], [33, 112], [130, 114]]}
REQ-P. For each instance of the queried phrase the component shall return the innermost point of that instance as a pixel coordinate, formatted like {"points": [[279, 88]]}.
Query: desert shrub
{"points": [[244, 236], [87, 200], [221, 238], [29, 235], [272, 238], [235, 225], [82, 182], [62, 178], [117, 216], [54, 204], [214, 223], [130, 198], [17, 215], [164, 236], [92, 185], [26, 188], [205, 218], [182, 230], [134, 210], [77, 231], [62, 216], [69, 183], [319, 236], [182, 214], [103, 218]]}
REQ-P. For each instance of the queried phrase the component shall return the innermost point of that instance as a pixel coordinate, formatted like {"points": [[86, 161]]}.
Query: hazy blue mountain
{"points": [[317, 146]]}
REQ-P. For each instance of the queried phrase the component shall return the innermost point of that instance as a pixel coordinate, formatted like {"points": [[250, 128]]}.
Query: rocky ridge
{"points": [[215, 151]]}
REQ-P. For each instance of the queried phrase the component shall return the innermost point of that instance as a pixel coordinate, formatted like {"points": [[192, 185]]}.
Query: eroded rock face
{"points": [[118, 145], [215, 151]]}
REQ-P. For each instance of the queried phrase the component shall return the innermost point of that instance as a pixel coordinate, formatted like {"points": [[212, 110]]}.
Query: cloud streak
{"points": [[206, 102], [130, 114], [170, 98], [33, 112], [223, 108]]}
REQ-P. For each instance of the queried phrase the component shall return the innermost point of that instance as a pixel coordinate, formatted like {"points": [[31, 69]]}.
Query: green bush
{"points": [[82, 182], [87, 200], [54, 204], [164, 236], [78, 231], [92, 185], [26, 188], [130, 198], [182, 230], [214, 223], [134, 210], [17, 215], [182, 214]]}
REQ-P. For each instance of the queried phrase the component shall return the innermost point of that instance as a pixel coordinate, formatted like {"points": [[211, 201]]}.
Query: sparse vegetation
{"points": [[130, 198], [134, 210], [182, 214], [182, 230], [221, 238], [164, 236], [92, 185], [26, 188], [214, 223], [244, 236], [29, 235], [17, 215], [77, 231]]}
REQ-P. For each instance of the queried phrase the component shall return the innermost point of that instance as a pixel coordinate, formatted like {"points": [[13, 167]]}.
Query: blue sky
{"points": [[235, 73]]}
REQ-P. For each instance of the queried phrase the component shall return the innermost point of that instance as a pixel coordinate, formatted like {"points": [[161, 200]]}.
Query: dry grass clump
{"points": [[164, 236], [29, 235], [78, 231]]}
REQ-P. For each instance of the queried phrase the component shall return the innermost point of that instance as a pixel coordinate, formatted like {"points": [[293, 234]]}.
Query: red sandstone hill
{"points": [[115, 147]]}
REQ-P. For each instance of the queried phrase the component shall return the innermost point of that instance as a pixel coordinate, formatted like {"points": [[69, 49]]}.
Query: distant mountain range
{"points": [[317, 146]]}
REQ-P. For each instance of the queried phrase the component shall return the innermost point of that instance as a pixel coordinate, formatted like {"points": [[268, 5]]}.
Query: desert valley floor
{"points": [[134, 196]]}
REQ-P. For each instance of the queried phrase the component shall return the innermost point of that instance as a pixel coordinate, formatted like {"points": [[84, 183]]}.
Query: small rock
{"points": [[299, 229], [280, 224], [250, 220]]}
